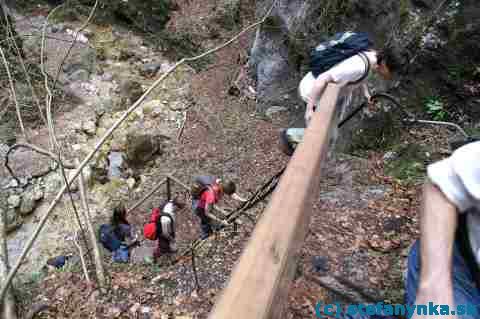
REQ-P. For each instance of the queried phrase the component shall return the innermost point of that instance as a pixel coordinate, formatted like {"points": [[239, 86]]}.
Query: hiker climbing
{"points": [[346, 60], [206, 191], [162, 228], [117, 237], [443, 264]]}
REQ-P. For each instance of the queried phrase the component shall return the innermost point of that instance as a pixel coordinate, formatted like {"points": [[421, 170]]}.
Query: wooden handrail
{"points": [[259, 284]]}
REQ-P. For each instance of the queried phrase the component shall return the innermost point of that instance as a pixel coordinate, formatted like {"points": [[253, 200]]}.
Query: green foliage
{"points": [[435, 107], [404, 11], [333, 14], [228, 15]]}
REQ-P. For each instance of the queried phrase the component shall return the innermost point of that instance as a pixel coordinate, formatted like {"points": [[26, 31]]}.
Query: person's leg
{"points": [[204, 222], [465, 290], [163, 247]]}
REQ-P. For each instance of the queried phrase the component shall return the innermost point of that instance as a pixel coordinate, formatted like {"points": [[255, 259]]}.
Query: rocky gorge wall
{"points": [[437, 42]]}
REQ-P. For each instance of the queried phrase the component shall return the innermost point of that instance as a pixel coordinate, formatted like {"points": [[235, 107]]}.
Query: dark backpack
{"points": [[340, 47], [197, 189], [108, 238]]}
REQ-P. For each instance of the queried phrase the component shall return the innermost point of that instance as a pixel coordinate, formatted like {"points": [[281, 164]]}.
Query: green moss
{"points": [[404, 12], [378, 133]]}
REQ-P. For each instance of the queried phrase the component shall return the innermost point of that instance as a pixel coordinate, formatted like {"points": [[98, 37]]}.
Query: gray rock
{"points": [[390, 156], [79, 75], [116, 162], [275, 109], [150, 69], [141, 148], [131, 182], [104, 106], [89, 127], [53, 182], [12, 184], [107, 76], [13, 221], [29, 202], [129, 91], [14, 201]]}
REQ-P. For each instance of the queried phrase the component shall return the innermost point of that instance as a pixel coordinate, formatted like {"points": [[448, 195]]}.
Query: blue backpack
{"points": [[340, 47], [108, 239], [121, 255]]}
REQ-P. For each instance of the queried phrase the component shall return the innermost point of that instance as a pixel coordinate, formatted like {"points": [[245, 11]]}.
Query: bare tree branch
{"points": [[22, 63], [14, 95], [82, 259], [8, 310], [105, 137], [102, 281]]}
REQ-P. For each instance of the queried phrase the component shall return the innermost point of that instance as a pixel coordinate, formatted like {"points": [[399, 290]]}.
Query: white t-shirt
{"points": [[349, 70], [458, 177]]}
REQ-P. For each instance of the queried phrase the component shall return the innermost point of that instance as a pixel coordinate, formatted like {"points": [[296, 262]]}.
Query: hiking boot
{"points": [[285, 145]]}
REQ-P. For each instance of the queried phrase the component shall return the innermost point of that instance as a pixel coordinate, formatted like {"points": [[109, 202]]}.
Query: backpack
{"points": [[121, 255], [108, 238], [150, 229], [197, 189], [340, 47]]}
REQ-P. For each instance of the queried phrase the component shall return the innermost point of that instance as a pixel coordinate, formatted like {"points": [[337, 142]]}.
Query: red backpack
{"points": [[150, 229]]}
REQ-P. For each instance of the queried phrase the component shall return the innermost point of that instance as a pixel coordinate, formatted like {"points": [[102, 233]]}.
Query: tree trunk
{"points": [[93, 238], [8, 310]]}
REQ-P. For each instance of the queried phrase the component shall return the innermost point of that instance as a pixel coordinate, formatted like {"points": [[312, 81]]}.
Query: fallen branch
{"points": [[99, 144]]}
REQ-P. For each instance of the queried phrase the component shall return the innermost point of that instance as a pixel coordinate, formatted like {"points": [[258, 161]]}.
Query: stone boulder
{"points": [[129, 91], [30, 199], [141, 148]]}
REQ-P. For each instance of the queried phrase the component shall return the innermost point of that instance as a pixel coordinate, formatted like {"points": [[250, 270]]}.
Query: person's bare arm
{"points": [[318, 87], [438, 222]]}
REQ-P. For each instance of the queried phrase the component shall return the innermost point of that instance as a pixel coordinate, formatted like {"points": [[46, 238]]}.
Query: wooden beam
{"points": [[259, 285]]}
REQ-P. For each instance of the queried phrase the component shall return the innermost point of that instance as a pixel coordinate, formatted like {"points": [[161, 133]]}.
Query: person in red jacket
{"points": [[210, 191]]}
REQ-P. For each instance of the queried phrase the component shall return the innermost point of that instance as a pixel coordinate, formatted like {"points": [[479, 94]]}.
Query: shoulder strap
{"points": [[365, 59]]}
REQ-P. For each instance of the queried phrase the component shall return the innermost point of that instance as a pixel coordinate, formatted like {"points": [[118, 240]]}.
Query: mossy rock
{"points": [[410, 165]]}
